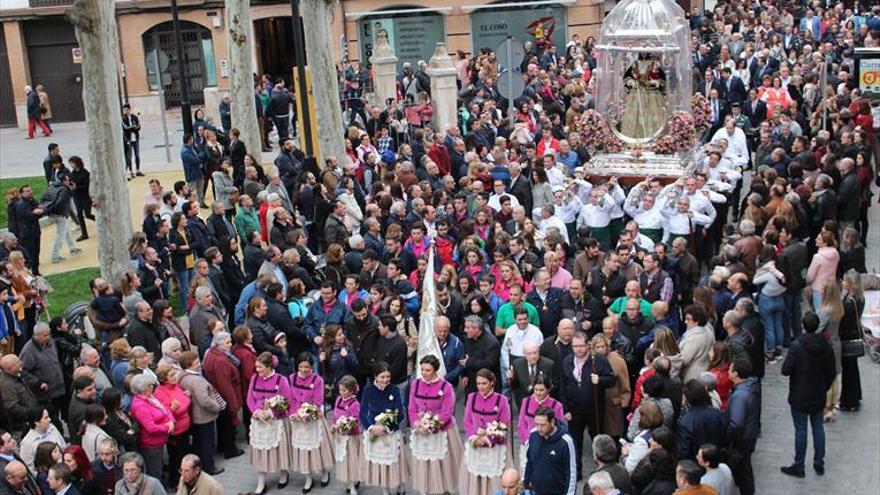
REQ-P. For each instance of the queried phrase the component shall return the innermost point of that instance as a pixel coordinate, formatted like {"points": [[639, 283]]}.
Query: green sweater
{"points": [[246, 222], [505, 317]]}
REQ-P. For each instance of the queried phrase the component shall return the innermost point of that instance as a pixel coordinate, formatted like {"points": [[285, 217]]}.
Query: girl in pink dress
{"points": [[310, 449], [348, 454], [269, 451], [486, 455], [434, 442], [540, 398]]}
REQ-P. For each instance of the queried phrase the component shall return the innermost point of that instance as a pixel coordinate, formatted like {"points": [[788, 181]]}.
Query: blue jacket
{"points": [[452, 353], [249, 291], [375, 401], [317, 318], [744, 414], [700, 425], [551, 464], [192, 163]]}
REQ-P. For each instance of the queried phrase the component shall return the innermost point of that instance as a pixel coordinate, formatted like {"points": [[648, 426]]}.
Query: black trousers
{"points": [[583, 417], [743, 474], [226, 432], [178, 446], [31, 244], [205, 445]]}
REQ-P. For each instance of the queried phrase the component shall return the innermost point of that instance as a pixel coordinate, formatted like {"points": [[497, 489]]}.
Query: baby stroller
{"points": [[871, 316]]}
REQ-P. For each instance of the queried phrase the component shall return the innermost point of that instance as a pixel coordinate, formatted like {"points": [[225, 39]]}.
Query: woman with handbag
{"points": [[852, 343]]}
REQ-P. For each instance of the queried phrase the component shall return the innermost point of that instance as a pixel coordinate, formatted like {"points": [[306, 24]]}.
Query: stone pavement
{"points": [[20, 157]]}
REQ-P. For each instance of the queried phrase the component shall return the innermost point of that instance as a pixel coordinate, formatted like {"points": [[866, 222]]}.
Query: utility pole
{"points": [[185, 110]]}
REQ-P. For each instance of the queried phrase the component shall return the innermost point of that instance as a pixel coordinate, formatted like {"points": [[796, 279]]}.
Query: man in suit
{"points": [[547, 300], [237, 152], [131, 138], [702, 59], [520, 187], [734, 87], [59, 480], [523, 373], [709, 83], [18, 480], [718, 110], [755, 109]]}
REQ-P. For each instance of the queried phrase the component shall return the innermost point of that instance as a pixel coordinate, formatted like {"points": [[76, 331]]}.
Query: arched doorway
{"points": [[160, 52]]}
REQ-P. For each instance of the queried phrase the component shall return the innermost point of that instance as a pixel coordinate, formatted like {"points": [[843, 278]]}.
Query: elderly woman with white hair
{"points": [[171, 350], [221, 369], [156, 422], [136, 477]]}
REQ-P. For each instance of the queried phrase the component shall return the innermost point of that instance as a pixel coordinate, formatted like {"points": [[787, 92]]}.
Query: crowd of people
{"points": [[287, 318]]}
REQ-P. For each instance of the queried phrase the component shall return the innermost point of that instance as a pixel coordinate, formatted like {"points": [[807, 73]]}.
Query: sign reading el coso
{"points": [[413, 36], [544, 23]]}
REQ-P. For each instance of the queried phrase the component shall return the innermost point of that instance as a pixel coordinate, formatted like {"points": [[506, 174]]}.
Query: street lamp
{"points": [[301, 87], [185, 110]]}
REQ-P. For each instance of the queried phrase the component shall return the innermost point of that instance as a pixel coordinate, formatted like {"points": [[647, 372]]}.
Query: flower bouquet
{"points": [[496, 433], [307, 412], [278, 404], [345, 425], [387, 419], [430, 422]]}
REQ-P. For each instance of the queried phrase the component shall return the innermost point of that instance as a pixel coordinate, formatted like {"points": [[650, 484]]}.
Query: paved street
{"points": [[20, 157]]}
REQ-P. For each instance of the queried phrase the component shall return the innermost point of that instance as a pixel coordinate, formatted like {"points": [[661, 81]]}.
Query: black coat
{"points": [[550, 309], [393, 352], [699, 426], [809, 365], [143, 334], [254, 256], [280, 319], [484, 352], [582, 395], [792, 263], [199, 237], [849, 198], [756, 116], [521, 189], [28, 221]]}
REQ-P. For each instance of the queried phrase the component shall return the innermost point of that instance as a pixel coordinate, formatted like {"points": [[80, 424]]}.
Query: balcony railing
{"points": [[51, 3]]}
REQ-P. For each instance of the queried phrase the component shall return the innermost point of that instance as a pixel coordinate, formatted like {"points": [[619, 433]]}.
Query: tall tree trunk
{"points": [[317, 18], [241, 81], [95, 23]]}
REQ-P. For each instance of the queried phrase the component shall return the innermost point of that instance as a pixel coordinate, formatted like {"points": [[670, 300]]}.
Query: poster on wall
{"points": [[540, 25], [869, 75], [413, 36]]}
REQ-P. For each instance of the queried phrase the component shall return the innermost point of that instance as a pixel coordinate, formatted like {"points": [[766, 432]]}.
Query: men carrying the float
{"points": [[597, 213], [681, 219], [642, 206]]}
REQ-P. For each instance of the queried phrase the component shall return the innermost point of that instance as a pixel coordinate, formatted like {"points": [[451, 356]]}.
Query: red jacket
{"points": [[224, 375], [440, 155], [248, 357]]}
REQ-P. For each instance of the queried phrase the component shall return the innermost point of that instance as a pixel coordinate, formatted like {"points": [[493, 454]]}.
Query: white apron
{"points": [[485, 461], [383, 450], [266, 435], [305, 436], [429, 447]]}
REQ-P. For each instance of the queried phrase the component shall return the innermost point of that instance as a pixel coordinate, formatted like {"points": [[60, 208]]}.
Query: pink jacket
{"points": [[167, 394], [153, 418], [823, 268]]}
